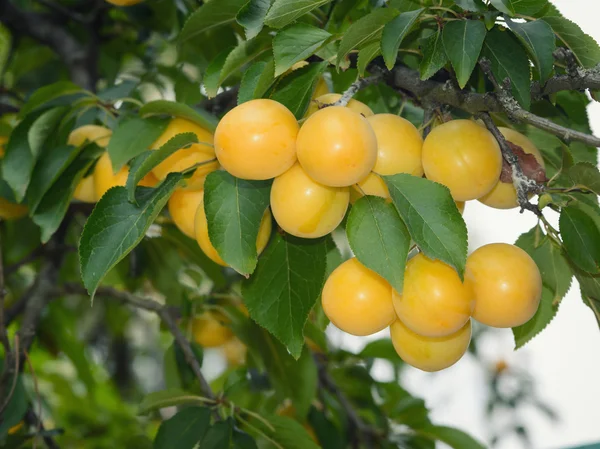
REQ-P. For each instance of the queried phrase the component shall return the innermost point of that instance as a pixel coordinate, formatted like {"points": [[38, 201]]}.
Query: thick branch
{"points": [[165, 315]]}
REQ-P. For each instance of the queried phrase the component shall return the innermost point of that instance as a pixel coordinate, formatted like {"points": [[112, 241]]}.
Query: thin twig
{"points": [[37, 393], [15, 373], [357, 85], [3, 331], [33, 420]]}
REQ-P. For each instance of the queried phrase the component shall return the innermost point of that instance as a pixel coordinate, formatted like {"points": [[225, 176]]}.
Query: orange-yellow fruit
{"points": [[105, 179], [327, 98], [210, 330], [337, 147], [305, 208], [235, 352], [85, 190], [434, 302], [100, 135], [124, 2], [461, 206], [430, 353], [11, 211], [201, 226], [504, 195], [14, 429], [506, 284], [399, 145], [373, 184], [3, 141], [182, 208], [463, 156], [186, 157], [357, 300], [257, 140]]}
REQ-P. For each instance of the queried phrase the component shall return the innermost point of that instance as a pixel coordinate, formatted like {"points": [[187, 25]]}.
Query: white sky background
{"points": [[564, 359]]}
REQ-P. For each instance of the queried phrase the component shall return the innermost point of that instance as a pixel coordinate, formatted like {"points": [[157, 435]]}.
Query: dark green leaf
{"points": [[252, 16], [213, 71], [174, 109], [296, 43], [581, 238], [366, 55], [295, 90], [432, 218], [454, 438], [434, 56], [145, 162], [379, 238], [365, 31], [242, 440], [284, 12], [256, 81], [463, 40], [504, 6], [184, 430], [394, 33], [542, 318], [509, 60], [471, 5], [218, 436], [168, 398], [209, 16], [49, 93], [234, 210], [538, 39], [15, 409], [54, 204], [116, 226], [285, 287], [43, 128], [590, 291], [133, 136]]}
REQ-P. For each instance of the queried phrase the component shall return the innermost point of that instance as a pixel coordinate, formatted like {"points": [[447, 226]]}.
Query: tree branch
{"points": [[165, 315], [357, 85]]}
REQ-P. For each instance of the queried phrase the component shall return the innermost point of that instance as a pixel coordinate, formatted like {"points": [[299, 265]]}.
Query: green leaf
{"points": [[365, 31], [525, 7], [463, 40], [168, 398], [116, 226], [256, 81], [43, 128], [379, 238], [15, 409], [380, 349], [174, 109], [434, 55], [366, 55], [145, 162], [542, 318], [295, 90], [471, 5], [454, 438], [584, 47], [288, 433], [184, 430], [585, 175], [394, 33], [509, 60], [242, 440], [252, 16], [52, 163], [590, 291], [241, 55], [218, 436], [432, 218], [213, 71], [581, 238], [538, 39], [5, 43], [49, 93], [296, 43], [504, 6], [53, 206], [285, 287], [18, 162], [234, 210], [133, 136], [210, 15], [284, 12]]}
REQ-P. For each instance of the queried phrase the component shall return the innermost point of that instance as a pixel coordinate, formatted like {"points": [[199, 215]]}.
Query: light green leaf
{"points": [[394, 33], [296, 43], [365, 31], [288, 433], [509, 60], [295, 90], [116, 226], [168, 398], [285, 287], [210, 15], [50, 93], [525, 7], [434, 55], [252, 16], [590, 291], [581, 238], [542, 318], [5, 43], [241, 55], [174, 109], [379, 238], [234, 209], [145, 162], [463, 40], [256, 81], [432, 218], [538, 39], [454, 438], [184, 430], [504, 6], [133, 136], [366, 55], [381, 349], [585, 175], [284, 12]]}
